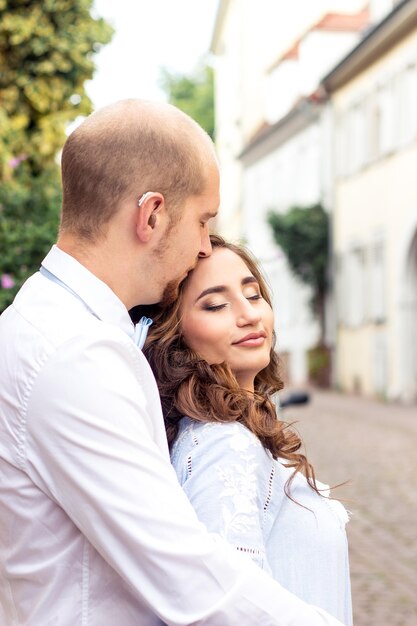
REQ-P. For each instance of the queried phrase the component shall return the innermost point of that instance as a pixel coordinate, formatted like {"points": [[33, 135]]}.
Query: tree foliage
{"points": [[303, 234], [46, 55], [46, 49], [29, 217], [193, 94]]}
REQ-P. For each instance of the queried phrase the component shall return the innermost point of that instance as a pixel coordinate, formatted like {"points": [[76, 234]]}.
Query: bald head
{"points": [[125, 150]]}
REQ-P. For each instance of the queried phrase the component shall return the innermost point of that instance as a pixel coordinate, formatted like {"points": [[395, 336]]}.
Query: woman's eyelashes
{"points": [[255, 296], [218, 306], [251, 292], [207, 306]]}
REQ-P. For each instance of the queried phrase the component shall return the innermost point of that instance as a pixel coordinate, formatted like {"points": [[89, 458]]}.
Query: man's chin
{"points": [[172, 289], [170, 293]]}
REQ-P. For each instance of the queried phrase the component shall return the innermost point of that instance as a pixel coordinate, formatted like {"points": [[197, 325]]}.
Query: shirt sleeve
{"points": [[90, 444], [228, 477]]}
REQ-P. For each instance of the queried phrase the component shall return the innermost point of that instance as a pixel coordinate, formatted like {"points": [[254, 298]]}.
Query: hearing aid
{"points": [[152, 217], [144, 196]]}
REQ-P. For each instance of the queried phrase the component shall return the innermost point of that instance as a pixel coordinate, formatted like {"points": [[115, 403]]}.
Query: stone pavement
{"points": [[374, 446]]}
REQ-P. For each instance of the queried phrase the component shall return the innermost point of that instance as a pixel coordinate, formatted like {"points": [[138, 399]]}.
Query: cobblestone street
{"points": [[374, 446]]}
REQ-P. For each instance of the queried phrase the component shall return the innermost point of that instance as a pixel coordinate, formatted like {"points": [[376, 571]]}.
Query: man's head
{"points": [[140, 178], [123, 151]]}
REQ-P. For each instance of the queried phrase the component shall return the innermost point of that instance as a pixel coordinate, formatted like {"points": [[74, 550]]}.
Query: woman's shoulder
{"points": [[234, 434], [226, 460], [215, 439]]}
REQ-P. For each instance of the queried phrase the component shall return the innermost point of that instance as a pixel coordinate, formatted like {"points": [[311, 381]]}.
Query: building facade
{"points": [[373, 93], [272, 135]]}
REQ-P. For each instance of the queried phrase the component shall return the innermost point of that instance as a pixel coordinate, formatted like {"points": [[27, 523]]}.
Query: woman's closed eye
{"points": [[218, 306], [255, 296], [211, 306], [252, 293]]}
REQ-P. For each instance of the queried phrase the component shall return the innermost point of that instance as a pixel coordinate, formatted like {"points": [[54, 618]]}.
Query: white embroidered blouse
{"points": [[237, 490]]}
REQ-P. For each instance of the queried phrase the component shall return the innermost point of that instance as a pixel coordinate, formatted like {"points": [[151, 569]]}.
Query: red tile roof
{"points": [[333, 22], [292, 53], [343, 22]]}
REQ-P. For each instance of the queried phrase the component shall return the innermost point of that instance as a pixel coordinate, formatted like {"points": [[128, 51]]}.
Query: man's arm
{"points": [[90, 446]]}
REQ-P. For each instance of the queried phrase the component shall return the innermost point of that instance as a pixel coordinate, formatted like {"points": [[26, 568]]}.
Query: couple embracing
{"points": [[155, 486]]}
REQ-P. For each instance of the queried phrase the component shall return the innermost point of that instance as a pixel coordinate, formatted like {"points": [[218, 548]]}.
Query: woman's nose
{"points": [[248, 313]]}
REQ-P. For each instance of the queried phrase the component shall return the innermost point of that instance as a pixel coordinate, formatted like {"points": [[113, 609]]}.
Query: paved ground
{"points": [[375, 447]]}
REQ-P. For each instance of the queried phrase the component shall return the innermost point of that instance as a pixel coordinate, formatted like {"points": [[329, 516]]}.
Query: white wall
{"points": [[288, 176], [376, 214], [253, 36], [380, 8]]}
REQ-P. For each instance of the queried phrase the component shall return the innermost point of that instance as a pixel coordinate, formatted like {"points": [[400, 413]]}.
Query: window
{"points": [[354, 287], [373, 114], [380, 362], [341, 146], [340, 289], [386, 120], [357, 135], [405, 105], [377, 281]]}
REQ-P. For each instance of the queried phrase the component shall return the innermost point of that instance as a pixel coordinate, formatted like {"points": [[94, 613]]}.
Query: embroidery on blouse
{"points": [[254, 552], [240, 511], [335, 506], [189, 465], [239, 488], [269, 494]]}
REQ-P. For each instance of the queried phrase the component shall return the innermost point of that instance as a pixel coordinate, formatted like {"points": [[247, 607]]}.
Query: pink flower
{"points": [[6, 281], [16, 161]]}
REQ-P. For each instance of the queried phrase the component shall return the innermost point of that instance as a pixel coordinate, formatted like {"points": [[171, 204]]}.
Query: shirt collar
{"points": [[97, 296]]}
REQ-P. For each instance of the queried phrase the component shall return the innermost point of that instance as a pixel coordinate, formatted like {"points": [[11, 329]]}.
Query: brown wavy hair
{"points": [[188, 385]]}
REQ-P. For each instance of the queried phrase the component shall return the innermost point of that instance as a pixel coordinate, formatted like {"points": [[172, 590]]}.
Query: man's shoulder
{"points": [[49, 314], [45, 318]]}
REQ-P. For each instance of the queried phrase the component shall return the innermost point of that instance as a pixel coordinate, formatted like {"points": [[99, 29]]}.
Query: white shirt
{"points": [[238, 490], [94, 528]]}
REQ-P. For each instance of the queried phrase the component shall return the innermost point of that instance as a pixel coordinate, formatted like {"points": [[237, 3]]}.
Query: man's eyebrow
{"points": [[222, 288]]}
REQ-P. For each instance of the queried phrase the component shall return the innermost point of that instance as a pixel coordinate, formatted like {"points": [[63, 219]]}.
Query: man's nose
{"points": [[205, 247]]}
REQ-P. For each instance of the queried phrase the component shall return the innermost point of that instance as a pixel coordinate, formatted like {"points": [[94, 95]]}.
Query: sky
{"points": [[149, 34]]}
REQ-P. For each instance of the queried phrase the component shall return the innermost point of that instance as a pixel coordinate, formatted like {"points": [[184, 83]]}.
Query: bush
{"points": [[319, 363], [29, 219]]}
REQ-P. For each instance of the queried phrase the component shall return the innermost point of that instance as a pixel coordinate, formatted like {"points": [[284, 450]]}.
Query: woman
{"points": [[212, 353]]}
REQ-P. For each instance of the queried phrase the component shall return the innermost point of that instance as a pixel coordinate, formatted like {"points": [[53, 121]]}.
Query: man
{"points": [[94, 529]]}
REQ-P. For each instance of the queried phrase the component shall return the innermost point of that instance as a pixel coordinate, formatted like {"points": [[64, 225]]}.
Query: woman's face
{"points": [[225, 318]]}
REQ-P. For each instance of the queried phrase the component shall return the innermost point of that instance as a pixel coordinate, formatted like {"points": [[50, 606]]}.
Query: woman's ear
{"points": [[151, 207]]}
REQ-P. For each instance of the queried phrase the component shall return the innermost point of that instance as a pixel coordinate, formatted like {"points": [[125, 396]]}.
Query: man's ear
{"points": [[151, 208]]}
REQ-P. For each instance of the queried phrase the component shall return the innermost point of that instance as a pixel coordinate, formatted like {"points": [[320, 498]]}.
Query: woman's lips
{"points": [[251, 340]]}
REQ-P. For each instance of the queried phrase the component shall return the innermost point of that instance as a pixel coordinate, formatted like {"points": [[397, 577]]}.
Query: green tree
{"points": [[46, 55], [193, 94], [29, 217], [303, 234]]}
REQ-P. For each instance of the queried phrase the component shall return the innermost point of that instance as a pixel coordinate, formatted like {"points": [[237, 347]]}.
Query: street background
{"points": [[372, 445]]}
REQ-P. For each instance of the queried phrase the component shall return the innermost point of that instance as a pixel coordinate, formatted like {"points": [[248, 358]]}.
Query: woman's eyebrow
{"points": [[217, 289], [249, 279], [223, 288]]}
